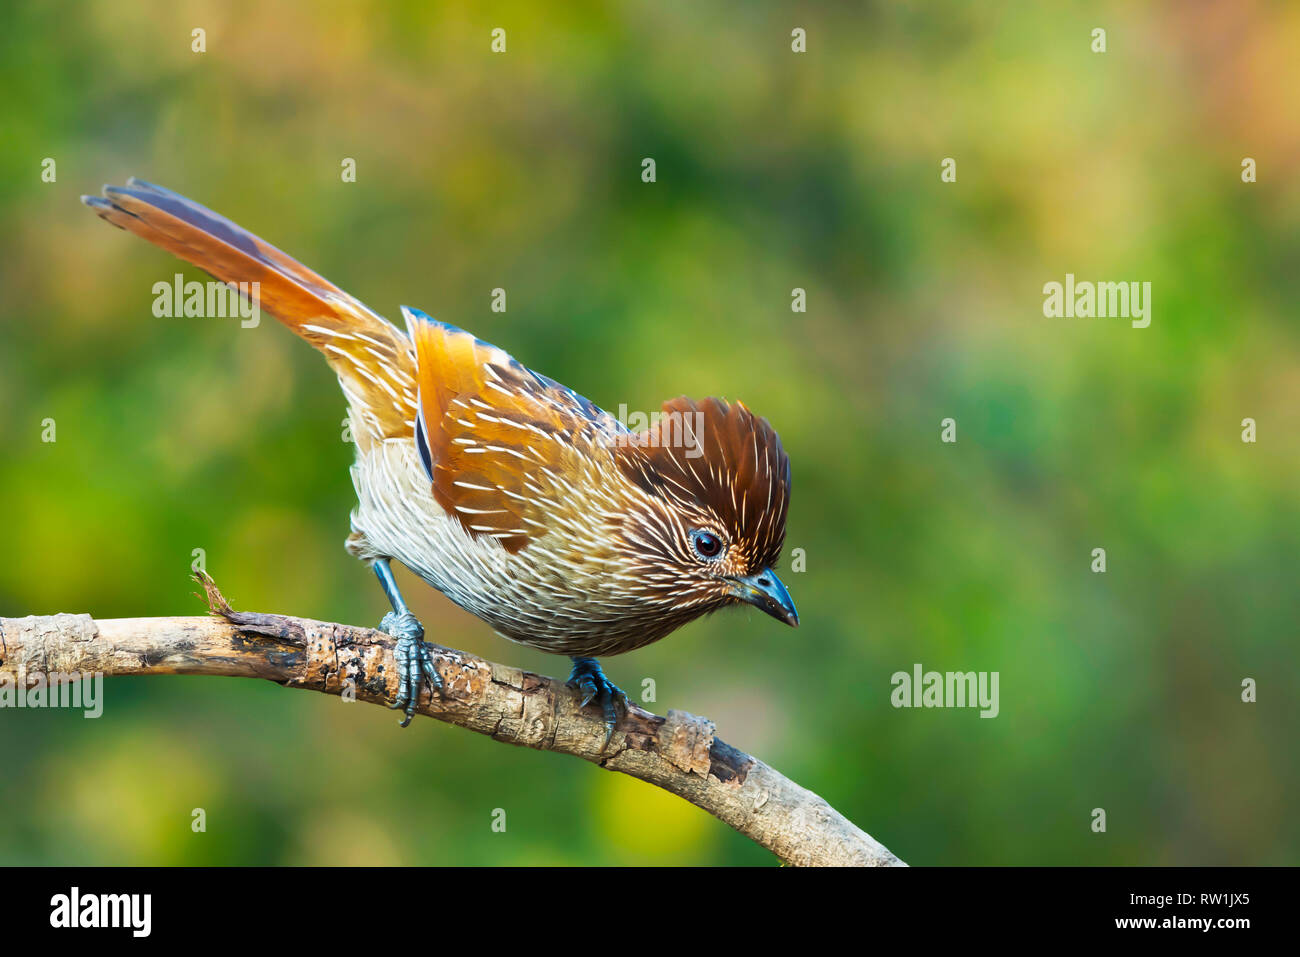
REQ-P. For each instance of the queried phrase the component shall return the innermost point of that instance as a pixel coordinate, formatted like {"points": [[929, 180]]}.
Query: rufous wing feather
{"points": [[503, 446]]}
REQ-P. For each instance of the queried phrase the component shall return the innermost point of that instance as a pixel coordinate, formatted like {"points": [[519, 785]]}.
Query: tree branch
{"points": [[678, 753]]}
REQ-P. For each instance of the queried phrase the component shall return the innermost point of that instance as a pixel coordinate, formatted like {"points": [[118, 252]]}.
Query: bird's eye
{"points": [[707, 545]]}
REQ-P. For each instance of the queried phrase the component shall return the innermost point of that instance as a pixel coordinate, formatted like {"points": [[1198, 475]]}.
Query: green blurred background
{"points": [[775, 170]]}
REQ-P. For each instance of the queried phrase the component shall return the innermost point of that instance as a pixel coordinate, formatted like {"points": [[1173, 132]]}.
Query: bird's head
{"points": [[708, 528]]}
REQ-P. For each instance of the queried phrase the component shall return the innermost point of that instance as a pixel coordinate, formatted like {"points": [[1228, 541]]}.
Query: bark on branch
{"points": [[678, 753]]}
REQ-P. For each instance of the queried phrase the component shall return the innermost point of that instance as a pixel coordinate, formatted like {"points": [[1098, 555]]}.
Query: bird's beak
{"points": [[765, 591]]}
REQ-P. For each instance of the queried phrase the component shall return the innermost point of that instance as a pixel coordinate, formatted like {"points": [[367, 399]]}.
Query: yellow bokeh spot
{"points": [[643, 824], [129, 800]]}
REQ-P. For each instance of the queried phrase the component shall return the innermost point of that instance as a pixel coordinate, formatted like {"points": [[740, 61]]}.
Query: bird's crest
{"points": [[722, 457]]}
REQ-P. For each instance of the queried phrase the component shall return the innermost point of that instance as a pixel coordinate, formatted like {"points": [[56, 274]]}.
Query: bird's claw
{"points": [[414, 660], [588, 679]]}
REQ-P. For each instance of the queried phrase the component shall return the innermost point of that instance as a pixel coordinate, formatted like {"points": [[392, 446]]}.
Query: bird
{"points": [[519, 499]]}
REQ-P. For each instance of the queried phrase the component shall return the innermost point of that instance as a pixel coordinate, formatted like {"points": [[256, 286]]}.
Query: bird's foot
{"points": [[414, 659], [587, 678]]}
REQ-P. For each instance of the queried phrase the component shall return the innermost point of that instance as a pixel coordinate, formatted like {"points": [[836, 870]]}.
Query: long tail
{"points": [[373, 359]]}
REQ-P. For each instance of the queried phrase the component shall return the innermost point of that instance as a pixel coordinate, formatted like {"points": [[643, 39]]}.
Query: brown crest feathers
{"points": [[721, 457]]}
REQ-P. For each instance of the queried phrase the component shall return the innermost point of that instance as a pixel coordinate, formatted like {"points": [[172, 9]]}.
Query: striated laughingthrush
{"points": [[514, 496]]}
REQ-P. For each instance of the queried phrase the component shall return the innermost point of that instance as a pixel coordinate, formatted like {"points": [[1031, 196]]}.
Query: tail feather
{"points": [[373, 359]]}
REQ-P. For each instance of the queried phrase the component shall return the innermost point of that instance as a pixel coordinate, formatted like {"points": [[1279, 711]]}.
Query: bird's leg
{"points": [[413, 656], [587, 678]]}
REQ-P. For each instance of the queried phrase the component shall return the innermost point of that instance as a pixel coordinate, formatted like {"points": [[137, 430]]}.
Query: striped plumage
{"points": [[517, 498]]}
